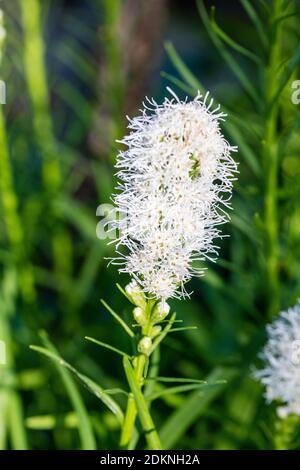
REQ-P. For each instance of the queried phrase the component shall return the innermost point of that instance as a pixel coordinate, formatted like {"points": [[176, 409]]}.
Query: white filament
{"points": [[175, 185]]}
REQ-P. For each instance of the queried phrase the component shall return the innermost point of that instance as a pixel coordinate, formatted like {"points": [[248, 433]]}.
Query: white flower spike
{"points": [[281, 356], [175, 185]]}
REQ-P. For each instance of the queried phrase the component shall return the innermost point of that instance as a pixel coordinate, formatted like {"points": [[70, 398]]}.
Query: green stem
{"points": [[52, 175], [147, 423], [131, 410], [12, 220], [139, 363], [271, 166], [36, 77], [13, 418]]}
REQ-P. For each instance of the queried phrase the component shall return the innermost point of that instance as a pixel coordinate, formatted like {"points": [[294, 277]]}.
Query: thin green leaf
{"points": [[77, 214], [176, 379], [94, 388], [118, 318], [85, 428], [251, 12], [184, 328], [87, 274], [232, 63], [153, 372], [193, 407], [230, 42], [286, 16], [3, 420], [107, 346], [293, 62], [123, 291], [164, 333], [181, 389], [116, 391], [16, 422], [182, 69], [179, 83], [243, 148]]}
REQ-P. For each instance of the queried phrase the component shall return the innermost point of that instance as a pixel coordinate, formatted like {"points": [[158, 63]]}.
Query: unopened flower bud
{"points": [[135, 294], [145, 345], [139, 316], [155, 330], [161, 311]]}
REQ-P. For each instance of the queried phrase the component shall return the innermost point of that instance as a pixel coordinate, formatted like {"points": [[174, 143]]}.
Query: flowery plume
{"points": [[281, 357], [175, 184]]}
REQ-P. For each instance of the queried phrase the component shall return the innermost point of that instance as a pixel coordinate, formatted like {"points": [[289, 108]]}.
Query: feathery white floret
{"points": [[175, 184], [281, 372]]}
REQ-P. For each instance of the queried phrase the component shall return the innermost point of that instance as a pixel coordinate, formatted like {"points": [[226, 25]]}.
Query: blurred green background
{"points": [[73, 71]]}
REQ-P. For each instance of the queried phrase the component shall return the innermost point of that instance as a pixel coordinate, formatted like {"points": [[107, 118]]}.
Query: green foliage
{"points": [[67, 98]]}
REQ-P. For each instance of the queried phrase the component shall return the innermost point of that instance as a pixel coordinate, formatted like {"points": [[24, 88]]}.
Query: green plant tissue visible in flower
{"points": [[175, 184]]}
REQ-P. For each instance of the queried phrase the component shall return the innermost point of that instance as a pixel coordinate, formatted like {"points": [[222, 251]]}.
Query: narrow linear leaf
{"points": [[153, 372], [179, 83], [244, 149], [230, 42], [251, 12], [94, 388], [116, 391], [123, 291], [182, 389], [232, 63], [85, 430], [107, 346], [176, 379], [164, 333], [184, 328], [182, 69], [16, 422], [193, 407], [3, 421], [286, 75], [118, 318]]}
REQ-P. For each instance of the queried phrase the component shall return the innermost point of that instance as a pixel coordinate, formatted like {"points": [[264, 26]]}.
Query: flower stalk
{"points": [[270, 151], [174, 186], [136, 373]]}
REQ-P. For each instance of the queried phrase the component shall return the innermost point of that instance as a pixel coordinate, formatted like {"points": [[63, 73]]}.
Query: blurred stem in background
{"points": [[12, 220], [36, 76], [11, 410], [114, 88], [270, 153], [286, 432]]}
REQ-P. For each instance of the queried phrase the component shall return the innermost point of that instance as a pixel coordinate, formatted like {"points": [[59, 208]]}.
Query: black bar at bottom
{"points": [[131, 459]]}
